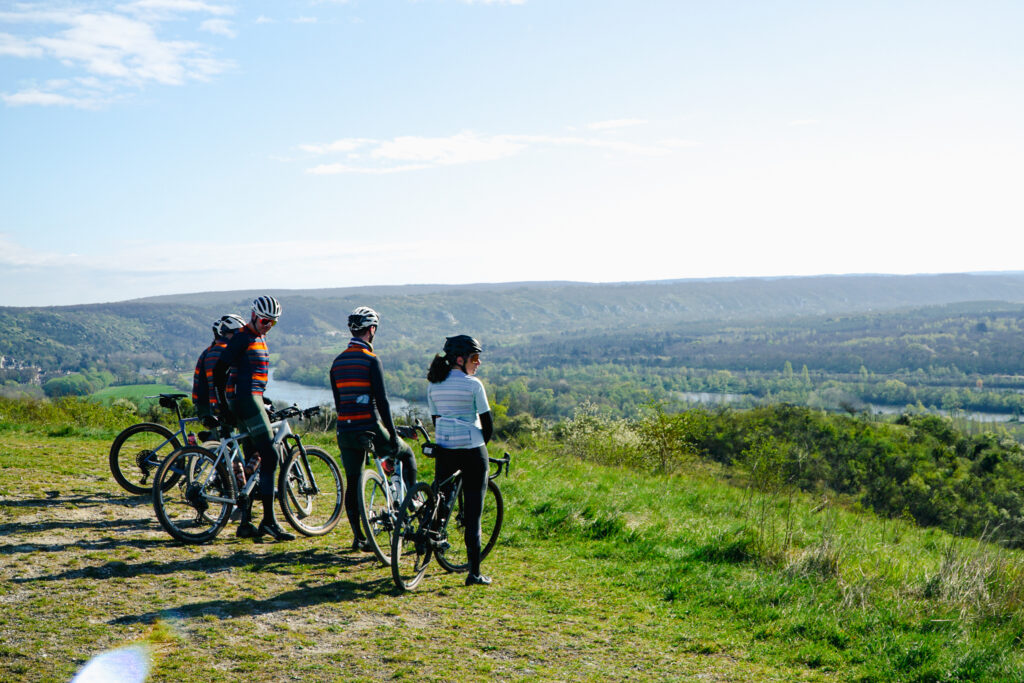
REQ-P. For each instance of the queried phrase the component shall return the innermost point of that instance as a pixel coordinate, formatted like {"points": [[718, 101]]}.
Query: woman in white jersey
{"points": [[462, 425]]}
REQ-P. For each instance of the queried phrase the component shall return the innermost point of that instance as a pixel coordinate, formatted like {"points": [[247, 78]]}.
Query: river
{"points": [[304, 396]]}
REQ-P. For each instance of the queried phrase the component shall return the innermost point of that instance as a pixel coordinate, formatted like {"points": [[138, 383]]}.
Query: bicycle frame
{"points": [[230, 449]]}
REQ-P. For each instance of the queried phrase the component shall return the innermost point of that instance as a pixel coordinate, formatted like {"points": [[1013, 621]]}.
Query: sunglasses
{"points": [[266, 321]]}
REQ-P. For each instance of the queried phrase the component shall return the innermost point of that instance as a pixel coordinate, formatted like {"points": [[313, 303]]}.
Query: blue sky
{"points": [[165, 146]]}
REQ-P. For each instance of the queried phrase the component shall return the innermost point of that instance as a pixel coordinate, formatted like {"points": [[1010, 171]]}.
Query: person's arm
{"points": [[380, 398], [487, 426]]}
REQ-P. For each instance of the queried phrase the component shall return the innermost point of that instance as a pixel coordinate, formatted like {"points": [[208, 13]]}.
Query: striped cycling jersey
{"points": [[350, 382], [200, 387], [250, 363], [457, 401], [210, 360]]}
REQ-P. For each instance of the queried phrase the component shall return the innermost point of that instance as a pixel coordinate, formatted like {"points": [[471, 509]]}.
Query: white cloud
{"points": [[264, 20], [175, 6], [409, 153], [221, 27], [119, 49], [13, 46], [804, 122], [304, 20], [46, 99]]}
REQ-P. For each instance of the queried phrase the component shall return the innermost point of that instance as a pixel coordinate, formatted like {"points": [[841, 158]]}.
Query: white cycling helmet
{"points": [[266, 307], [362, 317], [228, 323]]}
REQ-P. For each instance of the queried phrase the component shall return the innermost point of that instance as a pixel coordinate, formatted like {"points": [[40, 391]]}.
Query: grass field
{"points": [[601, 574], [137, 393]]}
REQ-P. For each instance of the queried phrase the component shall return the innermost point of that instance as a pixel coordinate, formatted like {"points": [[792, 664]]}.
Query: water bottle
{"points": [[191, 439]]}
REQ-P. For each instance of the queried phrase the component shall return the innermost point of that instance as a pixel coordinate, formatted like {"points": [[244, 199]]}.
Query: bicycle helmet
{"points": [[228, 323], [266, 307], [461, 345], [361, 318]]}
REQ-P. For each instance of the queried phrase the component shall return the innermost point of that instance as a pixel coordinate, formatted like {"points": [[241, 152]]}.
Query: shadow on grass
{"points": [[304, 596], [81, 500], [89, 545], [284, 563]]}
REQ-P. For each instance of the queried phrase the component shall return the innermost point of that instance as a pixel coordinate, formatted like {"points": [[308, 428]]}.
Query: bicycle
{"points": [[138, 450], [205, 486], [381, 490], [424, 522]]}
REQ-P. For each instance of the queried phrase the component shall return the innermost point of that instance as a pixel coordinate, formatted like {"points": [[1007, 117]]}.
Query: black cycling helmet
{"points": [[461, 345]]}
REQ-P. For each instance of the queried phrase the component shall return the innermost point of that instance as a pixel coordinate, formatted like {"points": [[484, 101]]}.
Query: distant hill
{"points": [[175, 327]]}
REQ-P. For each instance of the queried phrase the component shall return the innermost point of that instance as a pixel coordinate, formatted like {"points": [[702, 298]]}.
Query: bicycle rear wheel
{"points": [[412, 542], [377, 515], [197, 507], [454, 557], [311, 492], [137, 452]]}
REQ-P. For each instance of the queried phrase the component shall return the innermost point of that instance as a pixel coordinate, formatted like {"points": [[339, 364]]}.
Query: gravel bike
{"points": [[381, 491], [138, 450], [431, 523], [208, 485]]}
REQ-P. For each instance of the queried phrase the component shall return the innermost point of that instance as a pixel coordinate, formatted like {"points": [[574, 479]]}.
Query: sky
{"points": [[153, 147]]}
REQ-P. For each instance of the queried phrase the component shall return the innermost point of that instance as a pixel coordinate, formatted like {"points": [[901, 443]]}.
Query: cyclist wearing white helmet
{"points": [[458, 405], [364, 414], [204, 394], [240, 376]]}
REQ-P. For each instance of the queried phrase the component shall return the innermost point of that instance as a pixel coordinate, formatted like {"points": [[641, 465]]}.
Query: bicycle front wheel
{"points": [[311, 492], [377, 515], [199, 504], [412, 540], [137, 452], [454, 558]]}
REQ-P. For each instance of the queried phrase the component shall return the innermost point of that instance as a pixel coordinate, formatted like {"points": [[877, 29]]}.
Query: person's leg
{"points": [[474, 488], [352, 446], [253, 417]]}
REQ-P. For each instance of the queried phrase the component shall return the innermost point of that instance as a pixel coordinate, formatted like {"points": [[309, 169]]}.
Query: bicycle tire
{"points": [[183, 509], [312, 498], [377, 516], [454, 558], [137, 452], [411, 547]]}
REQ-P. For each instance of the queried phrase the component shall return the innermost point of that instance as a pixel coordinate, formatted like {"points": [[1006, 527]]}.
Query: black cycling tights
{"points": [[474, 465]]}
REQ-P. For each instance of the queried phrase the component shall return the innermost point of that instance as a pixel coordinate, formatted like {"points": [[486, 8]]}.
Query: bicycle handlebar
{"points": [[294, 411]]}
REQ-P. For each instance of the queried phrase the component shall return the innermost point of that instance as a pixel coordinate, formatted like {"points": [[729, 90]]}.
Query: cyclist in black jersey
{"points": [[364, 414], [240, 376]]}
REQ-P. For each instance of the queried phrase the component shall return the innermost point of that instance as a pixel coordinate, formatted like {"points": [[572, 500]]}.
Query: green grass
{"points": [[601, 573]]}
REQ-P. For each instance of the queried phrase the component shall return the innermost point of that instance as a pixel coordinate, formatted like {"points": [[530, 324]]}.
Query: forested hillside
{"points": [[944, 341]]}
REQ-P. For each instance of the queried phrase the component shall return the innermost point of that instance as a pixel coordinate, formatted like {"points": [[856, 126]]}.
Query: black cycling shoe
{"points": [[477, 580], [275, 532], [247, 530], [360, 544]]}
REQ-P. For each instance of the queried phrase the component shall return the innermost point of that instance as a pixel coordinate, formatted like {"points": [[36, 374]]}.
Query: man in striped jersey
{"points": [[241, 375], [364, 414]]}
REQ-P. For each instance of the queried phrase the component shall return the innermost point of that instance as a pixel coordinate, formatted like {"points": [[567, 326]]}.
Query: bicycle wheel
{"points": [[412, 541], [311, 492], [136, 453], [199, 505], [454, 558], [378, 517]]}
